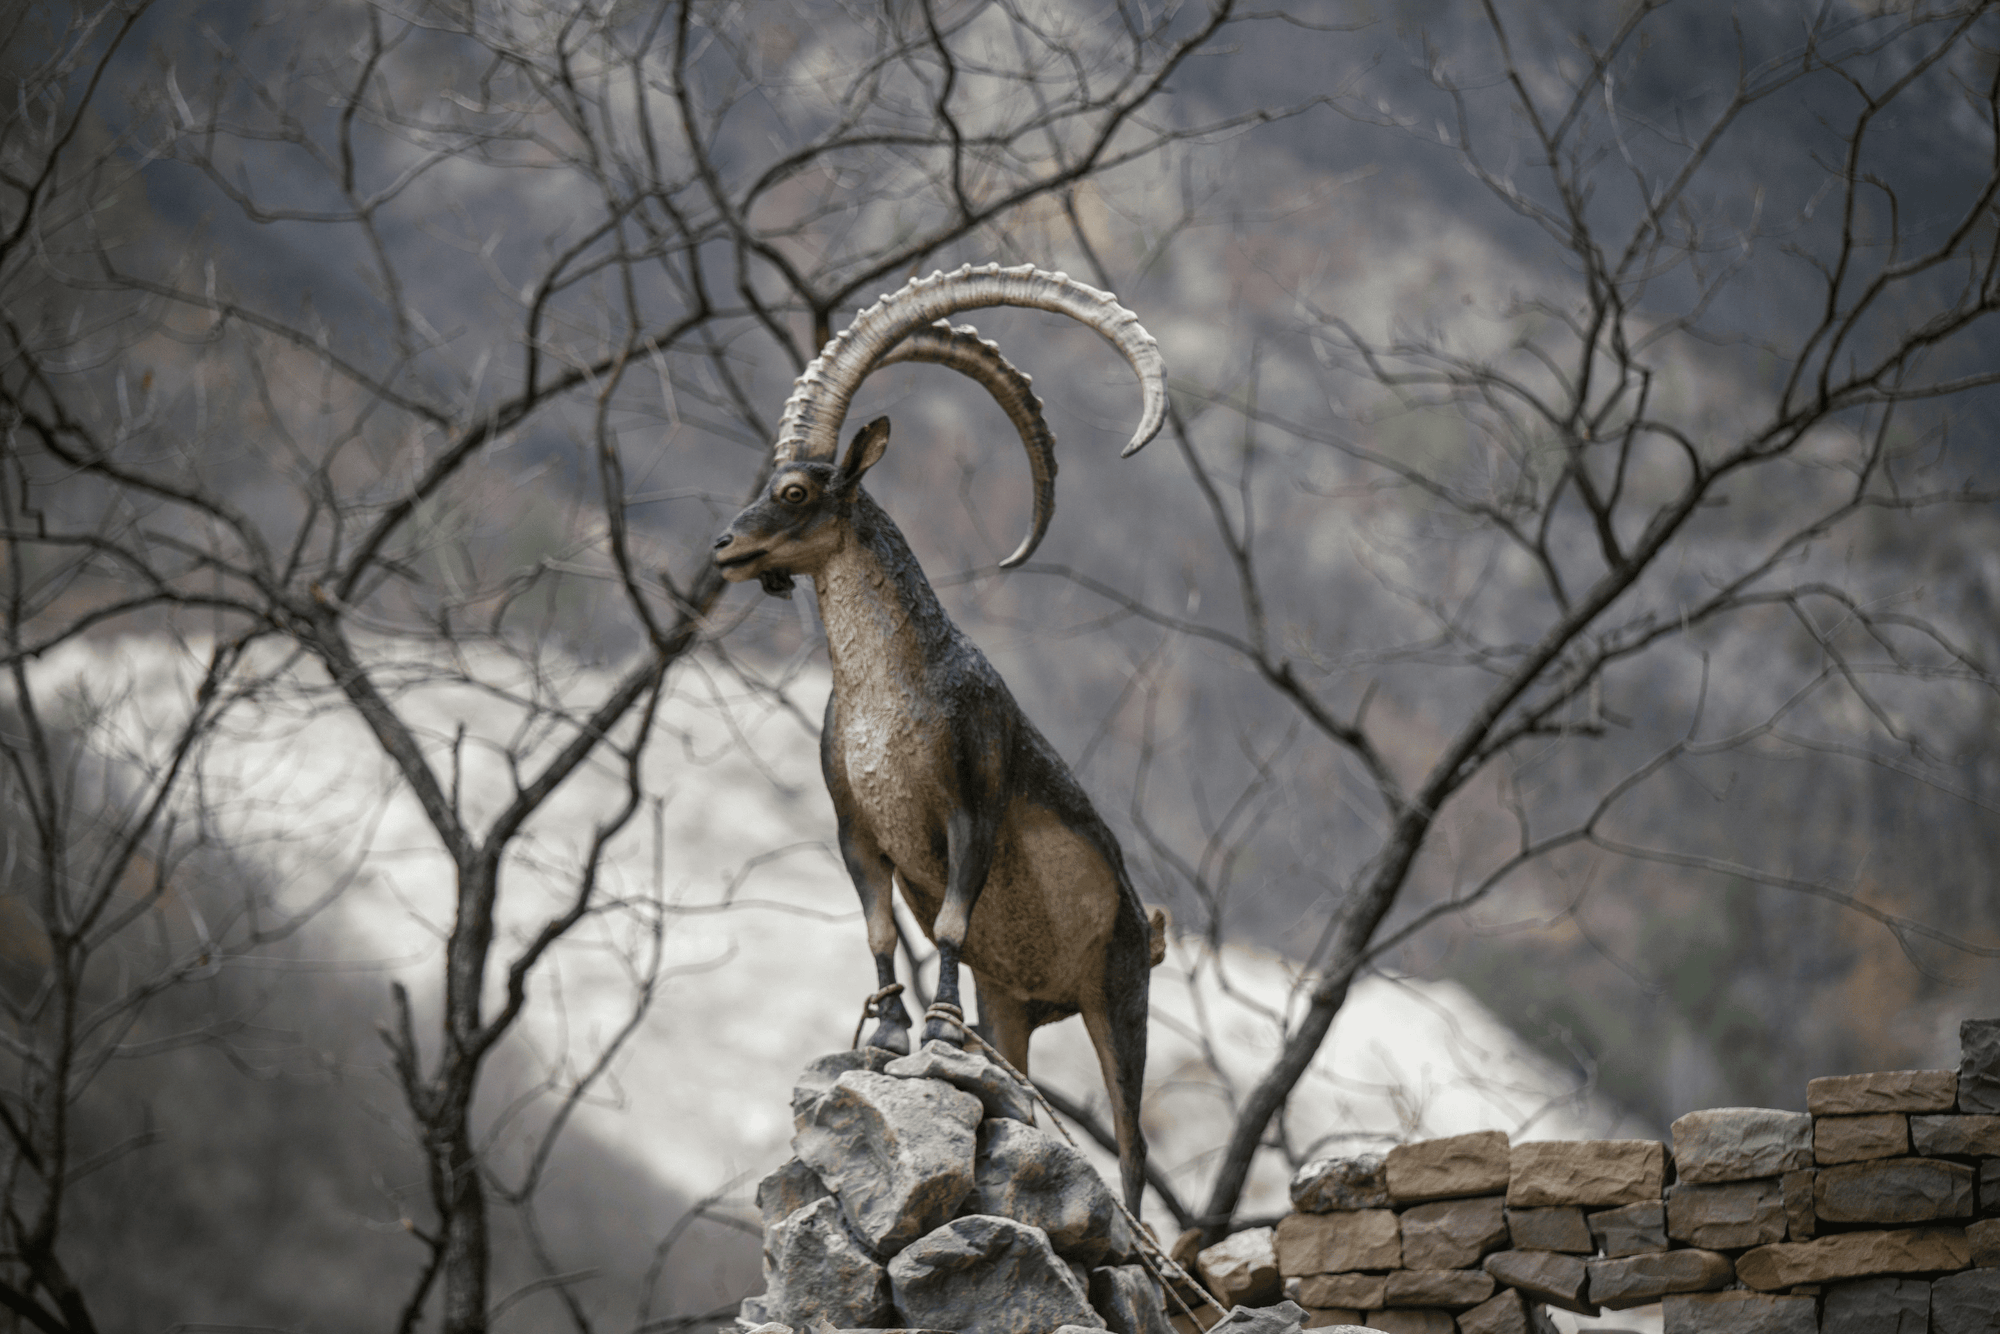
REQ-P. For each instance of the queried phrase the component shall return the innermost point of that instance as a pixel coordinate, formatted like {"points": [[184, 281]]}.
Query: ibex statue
{"points": [[939, 781]]}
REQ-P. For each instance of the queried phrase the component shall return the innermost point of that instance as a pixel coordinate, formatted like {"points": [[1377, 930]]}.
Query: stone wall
{"points": [[1875, 1211]]}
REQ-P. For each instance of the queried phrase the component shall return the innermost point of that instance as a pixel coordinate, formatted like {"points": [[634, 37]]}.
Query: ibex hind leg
{"points": [[1115, 1013]]}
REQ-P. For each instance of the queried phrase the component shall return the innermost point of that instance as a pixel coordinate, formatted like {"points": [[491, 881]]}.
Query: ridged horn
{"points": [[810, 428], [963, 350]]}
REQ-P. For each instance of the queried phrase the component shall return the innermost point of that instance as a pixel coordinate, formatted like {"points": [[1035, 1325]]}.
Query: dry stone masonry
{"points": [[1875, 1211]]}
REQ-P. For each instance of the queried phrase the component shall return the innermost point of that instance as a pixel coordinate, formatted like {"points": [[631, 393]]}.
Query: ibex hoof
{"points": [[937, 1030], [892, 1039]]}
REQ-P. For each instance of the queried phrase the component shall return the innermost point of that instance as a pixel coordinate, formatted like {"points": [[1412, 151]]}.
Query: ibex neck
{"points": [[880, 613]]}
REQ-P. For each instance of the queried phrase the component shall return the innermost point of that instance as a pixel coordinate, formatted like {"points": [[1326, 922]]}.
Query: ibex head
{"points": [[798, 519]]}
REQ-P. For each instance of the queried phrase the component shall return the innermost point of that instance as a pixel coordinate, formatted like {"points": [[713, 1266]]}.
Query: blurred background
{"points": [[1550, 649]]}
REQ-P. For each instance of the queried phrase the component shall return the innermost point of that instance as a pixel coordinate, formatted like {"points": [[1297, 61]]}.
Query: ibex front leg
{"points": [[969, 836], [874, 881]]}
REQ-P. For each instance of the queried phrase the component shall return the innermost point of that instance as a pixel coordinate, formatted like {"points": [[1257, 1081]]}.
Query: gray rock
{"points": [[1452, 1234], [1739, 1143], [1984, 1239], [1332, 1185], [1882, 1091], [897, 1152], [1353, 1292], [1738, 1313], [1727, 1215], [997, 1091], [1559, 1280], [1634, 1229], [986, 1275], [1639, 1279], [1129, 1300], [787, 1190], [1032, 1177], [1506, 1312], [818, 1271], [1895, 1190], [1801, 1223], [1967, 1303], [1335, 1320], [1877, 1306], [1960, 1136], [1854, 1139], [1440, 1169], [1242, 1269], [1279, 1318], [1989, 1186], [1592, 1173], [1338, 1243], [1559, 1228], [1453, 1289], [819, 1076], [1979, 1066], [751, 1314], [1408, 1321]]}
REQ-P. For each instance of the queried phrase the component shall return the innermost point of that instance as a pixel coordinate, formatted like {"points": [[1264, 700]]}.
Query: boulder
{"points": [[1740, 1143], [815, 1270], [1331, 1185], [818, 1077], [1882, 1091], [1598, 1173], [1633, 1229], [1894, 1190], [1854, 1255], [1129, 1300], [1727, 1215], [1877, 1306], [1438, 1169], [1335, 1320], [897, 1152], [1639, 1279], [1979, 1066], [1853, 1139], [1337, 1243], [1960, 1136], [1279, 1318], [1560, 1280], [987, 1275], [1966, 1303], [1738, 1313], [1242, 1269], [787, 1190], [1555, 1229], [1505, 1312], [1033, 1177], [1453, 1234], [999, 1092]]}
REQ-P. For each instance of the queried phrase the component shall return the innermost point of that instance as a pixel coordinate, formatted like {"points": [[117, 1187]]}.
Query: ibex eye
{"points": [[793, 494]]}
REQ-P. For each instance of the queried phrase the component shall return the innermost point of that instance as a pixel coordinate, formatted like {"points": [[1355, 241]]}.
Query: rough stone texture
{"points": [[1129, 1300], [752, 1315], [1737, 1313], [1928, 1250], [1963, 1136], [818, 1077], [1739, 1143], [1329, 1185], [1412, 1321], [1452, 1234], [1801, 1223], [1354, 1292], [898, 1152], [1453, 1289], [1639, 1279], [986, 1275], [1437, 1169], [1966, 1303], [1896, 1190], [1727, 1215], [1877, 1306], [1560, 1280], [1280, 1318], [1632, 1230], [1338, 1243], [996, 1090], [1979, 1066], [1984, 1238], [1989, 1186], [787, 1190], [1882, 1091], [1589, 1172], [1242, 1269], [1032, 1177], [1505, 1313], [814, 1270], [1334, 1319], [1556, 1229], [1854, 1139]]}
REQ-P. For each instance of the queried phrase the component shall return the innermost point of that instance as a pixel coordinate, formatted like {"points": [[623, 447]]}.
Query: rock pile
{"points": [[1876, 1211], [923, 1197]]}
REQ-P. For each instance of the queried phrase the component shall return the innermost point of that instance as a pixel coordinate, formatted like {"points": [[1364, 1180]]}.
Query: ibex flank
{"points": [[939, 781]]}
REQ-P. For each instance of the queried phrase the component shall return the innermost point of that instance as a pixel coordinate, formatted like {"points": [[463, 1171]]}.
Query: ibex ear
{"points": [[864, 452]]}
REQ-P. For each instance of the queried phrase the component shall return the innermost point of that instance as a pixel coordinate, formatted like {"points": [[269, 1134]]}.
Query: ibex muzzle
{"points": [[940, 783]]}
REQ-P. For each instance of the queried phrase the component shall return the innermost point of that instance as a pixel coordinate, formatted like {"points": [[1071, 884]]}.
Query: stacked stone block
{"points": [[1875, 1210]]}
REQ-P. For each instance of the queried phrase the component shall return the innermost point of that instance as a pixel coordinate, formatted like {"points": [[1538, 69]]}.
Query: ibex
{"points": [[939, 781]]}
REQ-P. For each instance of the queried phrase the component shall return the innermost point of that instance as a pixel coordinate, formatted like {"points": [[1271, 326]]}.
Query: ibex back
{"points": [[939, 781]]}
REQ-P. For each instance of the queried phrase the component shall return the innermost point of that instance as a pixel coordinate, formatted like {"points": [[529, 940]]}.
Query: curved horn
{"points": [[820, 396], [963, 350]]}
